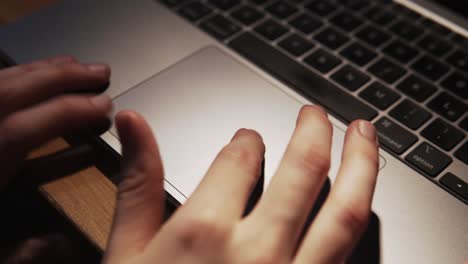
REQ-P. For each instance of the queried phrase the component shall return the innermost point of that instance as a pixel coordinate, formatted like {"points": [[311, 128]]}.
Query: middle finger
{"points": [[284, 207]]}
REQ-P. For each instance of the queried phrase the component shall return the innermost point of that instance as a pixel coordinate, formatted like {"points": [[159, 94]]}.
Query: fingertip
{"points": [[364, 129], [308, 111], [134, 132], [102, 102], [367, 130], [100, 68]]}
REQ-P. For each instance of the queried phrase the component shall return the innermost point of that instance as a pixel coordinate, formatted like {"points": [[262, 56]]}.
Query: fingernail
{"points": [[367, 130], [102, 102], [241, 132], [98, 67], [319, 108]]}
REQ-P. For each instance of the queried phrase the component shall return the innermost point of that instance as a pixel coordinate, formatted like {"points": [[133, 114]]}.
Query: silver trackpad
{"points": [[196, 106]]}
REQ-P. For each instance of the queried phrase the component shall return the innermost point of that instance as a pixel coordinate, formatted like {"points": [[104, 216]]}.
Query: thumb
{"points": [[140, 197]]}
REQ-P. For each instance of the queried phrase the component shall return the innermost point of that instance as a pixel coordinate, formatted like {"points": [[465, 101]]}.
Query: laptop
{"points": [[199, 70]]}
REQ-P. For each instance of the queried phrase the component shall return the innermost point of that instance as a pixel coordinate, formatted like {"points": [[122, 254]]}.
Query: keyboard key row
{"points": [[416, 88], [410, 115], [350, 77], [395, 130], [296, 45], [322, 60], [448, 106], [379, 95], [300, 78]]}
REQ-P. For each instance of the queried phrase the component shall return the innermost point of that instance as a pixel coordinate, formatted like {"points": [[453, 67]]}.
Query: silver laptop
{"points": [[199, 70]]}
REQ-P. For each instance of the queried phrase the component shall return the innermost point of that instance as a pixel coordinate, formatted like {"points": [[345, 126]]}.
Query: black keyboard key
{"points": [[271, 30], [393, 136], [281, 9], [358, 54], [258, 2], [350, 77], [455, 184], [379, 16], [461, 41], [416, 88], [428, 159], [304, 81], [355, 5], [457, 83], [442, 134], [322, 60], [406, 30], [247, 15], [379, 95], [434, 45], [172, 3], [410, 114], [464, 124], [387, 70], [459, 59], [306, 23], [225, 4], [321, 7], [447, 106], [403, 11], [194, 11], [400, 51], [462, 153], [373, 36], [430, 68], [346, 21], [331, 38], [435, 27], [219, 27], [296, 45]]}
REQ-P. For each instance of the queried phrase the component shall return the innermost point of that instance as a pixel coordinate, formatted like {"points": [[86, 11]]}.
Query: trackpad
{"points": [[196, 106]]}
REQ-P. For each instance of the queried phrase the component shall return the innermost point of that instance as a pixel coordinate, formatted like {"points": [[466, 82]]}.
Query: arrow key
{"points": [[455, 184]]}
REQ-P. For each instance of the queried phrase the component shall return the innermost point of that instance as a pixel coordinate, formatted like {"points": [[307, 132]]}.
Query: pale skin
{"points": [[210, 226]]}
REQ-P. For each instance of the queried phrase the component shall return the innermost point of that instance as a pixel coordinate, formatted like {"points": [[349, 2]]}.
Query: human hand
{"points": [[37, 104], [210, 227]]}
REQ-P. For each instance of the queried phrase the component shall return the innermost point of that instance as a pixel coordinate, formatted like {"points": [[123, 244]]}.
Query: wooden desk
{"points": [[87, 198]]}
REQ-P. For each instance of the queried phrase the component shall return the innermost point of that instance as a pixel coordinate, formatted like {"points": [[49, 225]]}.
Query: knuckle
{"points": [[243, 155], [68, 102], [55, 73], [363, 155], [62, 72], [353, 217], [195, 230], [312, 161], [137, 178]]}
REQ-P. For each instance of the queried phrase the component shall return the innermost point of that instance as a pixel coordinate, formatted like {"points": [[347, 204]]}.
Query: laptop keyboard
{"points": [[372, 60]]}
